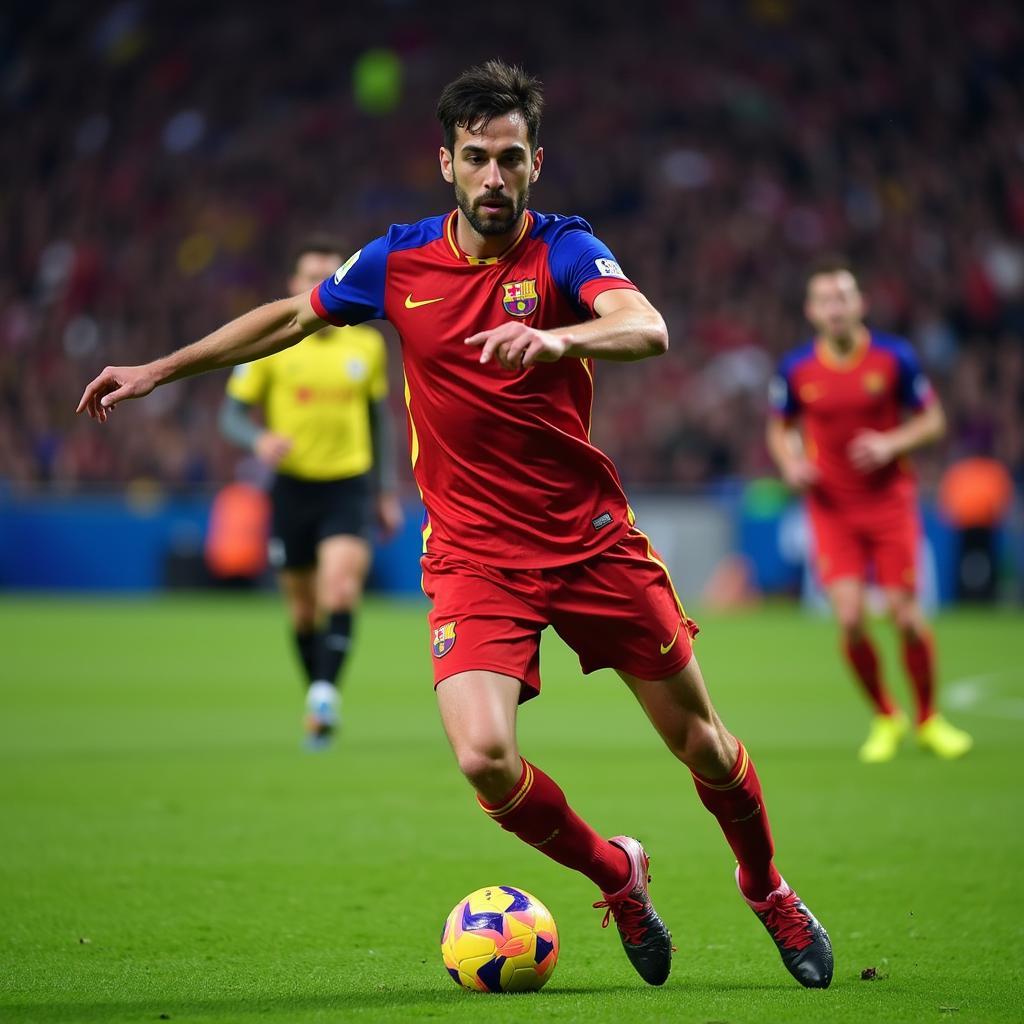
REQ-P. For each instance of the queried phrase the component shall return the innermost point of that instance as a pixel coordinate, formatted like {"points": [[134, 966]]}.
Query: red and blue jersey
{"points": [[835, 399], [502, 458]]}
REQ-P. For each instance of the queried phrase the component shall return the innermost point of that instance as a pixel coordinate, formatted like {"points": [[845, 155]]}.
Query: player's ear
{"points": [[446, 166], [538, 159]]}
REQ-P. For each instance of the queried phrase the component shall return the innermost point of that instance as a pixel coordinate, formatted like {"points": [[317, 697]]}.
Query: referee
{"points": [[326, 431]]}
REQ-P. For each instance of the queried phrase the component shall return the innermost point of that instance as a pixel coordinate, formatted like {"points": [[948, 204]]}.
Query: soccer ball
{"points": [[500, 939]]}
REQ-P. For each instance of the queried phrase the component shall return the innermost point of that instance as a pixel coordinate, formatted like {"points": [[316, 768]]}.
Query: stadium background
{"points": [[161, 161]]}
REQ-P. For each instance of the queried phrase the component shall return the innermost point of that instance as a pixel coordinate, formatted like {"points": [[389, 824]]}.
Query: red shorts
{"points": [[853, 540], [617, 609]]}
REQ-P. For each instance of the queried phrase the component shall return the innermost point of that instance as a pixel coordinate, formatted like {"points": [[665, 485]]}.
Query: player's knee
{"points": [[491, 768], [851, 622], [342, 592], [905, 615], [697, 743]]}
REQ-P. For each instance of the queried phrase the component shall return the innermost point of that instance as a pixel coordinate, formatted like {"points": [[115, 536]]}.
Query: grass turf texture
{"points": [[169, 851]]}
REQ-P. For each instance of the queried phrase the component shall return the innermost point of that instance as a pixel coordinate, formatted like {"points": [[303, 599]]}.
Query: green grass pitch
{"points": [[168, 851]]}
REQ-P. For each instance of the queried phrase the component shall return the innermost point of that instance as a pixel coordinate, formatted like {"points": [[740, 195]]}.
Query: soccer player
{"points": [[848, 407], [502, 313], [327, 434]]}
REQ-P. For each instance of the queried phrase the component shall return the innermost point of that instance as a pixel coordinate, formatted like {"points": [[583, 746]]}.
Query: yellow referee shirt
{"points": [[317, 394]]}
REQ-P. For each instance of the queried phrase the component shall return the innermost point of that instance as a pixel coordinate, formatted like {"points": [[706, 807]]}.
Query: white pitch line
{"points": [[973, 694]]}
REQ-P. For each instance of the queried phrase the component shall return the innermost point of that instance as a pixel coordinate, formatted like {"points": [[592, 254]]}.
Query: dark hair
{"points": [[320, 245], [831, 263], [487, 91]]}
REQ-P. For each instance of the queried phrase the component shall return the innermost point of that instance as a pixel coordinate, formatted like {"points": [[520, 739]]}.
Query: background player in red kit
{"points": [[848, 391], [501, 311]]}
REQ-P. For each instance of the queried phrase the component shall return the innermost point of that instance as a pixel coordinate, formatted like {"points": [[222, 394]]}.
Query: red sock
{"points": [[738, 804], [919, 659], [536, 811], [862, 657]]}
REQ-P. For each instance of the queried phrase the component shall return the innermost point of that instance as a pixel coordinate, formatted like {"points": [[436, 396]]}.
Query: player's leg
{"points": [[645, 635], [727, 783], [298, 587], [292, 552], [339, 513], [934, 732], [841, 555], [895, 541], [483, 616], [888, 726], [343, 562], [342, 565], [478, 710]]}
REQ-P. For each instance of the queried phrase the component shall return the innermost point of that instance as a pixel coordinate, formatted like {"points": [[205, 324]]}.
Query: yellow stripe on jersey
{"points": [[414, 443], [589, 367], [317, 394]]}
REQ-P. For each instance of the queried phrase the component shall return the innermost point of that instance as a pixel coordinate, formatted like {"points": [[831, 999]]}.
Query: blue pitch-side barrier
{"points": [[141, 540]]}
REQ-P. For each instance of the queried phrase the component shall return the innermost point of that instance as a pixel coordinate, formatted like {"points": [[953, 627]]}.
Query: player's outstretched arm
{"points": [[627, 327], [260, 332]]}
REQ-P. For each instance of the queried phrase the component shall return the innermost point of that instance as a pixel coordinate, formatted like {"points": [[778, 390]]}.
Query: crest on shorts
{"points": [[520, 298], [444, 639], [874, 382]]}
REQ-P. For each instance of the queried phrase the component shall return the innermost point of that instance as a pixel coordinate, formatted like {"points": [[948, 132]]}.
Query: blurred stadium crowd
{"points": [[161, 161]]}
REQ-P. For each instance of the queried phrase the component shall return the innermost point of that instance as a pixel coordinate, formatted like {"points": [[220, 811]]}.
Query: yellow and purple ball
{"points": [[500, 939]]}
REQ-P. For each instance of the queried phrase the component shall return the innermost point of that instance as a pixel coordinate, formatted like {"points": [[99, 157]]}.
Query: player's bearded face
{"points": [[492, 212]]}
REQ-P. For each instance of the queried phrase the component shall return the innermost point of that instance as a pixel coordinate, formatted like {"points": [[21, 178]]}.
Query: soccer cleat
{"points": [[802, 942], [943, 739], [884, 737], [322, 715], [646, 940]]}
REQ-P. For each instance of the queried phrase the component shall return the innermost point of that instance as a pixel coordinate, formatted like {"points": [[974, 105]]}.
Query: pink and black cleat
{"points": [[646, 940], [802, 942]]}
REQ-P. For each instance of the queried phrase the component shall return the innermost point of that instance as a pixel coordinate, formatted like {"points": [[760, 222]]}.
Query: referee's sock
{"points": [[333, 646], [306, 646]]}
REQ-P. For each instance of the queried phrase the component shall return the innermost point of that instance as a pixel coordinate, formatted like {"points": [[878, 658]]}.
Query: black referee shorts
{"points": [[307, 511]]}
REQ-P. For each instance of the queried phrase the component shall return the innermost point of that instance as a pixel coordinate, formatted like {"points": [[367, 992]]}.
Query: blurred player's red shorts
{"points": [[617, 610], [873, 541]]}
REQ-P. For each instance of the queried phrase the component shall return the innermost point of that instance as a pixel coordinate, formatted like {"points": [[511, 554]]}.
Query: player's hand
{"points": [[871, 450], [271, 448], [113, 385], [800, 474], [517, 346], [389, 515]]}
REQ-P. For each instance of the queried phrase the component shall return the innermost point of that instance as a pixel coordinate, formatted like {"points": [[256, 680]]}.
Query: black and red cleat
{"points": [[802, 942], [646, 940]]}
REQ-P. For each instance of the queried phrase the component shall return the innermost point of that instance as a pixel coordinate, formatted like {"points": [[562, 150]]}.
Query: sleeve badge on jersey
{"points": [[520, 298], [444, 639]]}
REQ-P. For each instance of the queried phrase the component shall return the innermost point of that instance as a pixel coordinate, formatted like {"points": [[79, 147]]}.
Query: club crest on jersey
{"points": [[520, 298], [874, 382], [444, 639]]}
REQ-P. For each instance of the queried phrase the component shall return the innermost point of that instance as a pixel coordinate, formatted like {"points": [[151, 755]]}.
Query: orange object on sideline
{"points": [[236, 540], [975, 492]]}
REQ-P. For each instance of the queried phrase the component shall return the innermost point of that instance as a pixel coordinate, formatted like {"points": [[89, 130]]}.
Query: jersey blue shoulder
{"points": [[796, 357], [355, 292], [781, 395], [914, 388], [550, 226], [414, 236], [575, 256]]}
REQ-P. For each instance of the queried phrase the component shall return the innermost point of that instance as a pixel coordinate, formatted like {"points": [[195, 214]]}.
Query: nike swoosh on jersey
{"points": [[411, 303], [665, 648]]}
